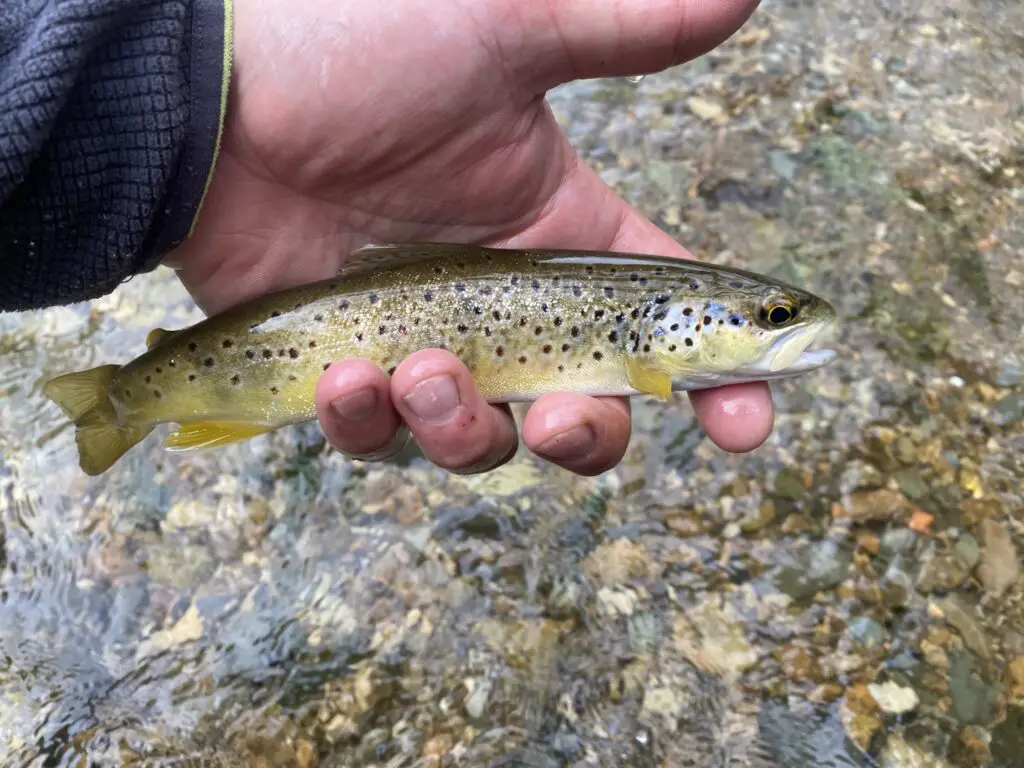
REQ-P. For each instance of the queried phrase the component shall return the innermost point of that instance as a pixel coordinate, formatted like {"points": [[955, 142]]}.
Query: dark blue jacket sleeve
{"points": [[110, 121]]}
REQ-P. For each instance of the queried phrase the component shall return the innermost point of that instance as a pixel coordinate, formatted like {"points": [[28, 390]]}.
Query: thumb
{"points": [[563, 40]]}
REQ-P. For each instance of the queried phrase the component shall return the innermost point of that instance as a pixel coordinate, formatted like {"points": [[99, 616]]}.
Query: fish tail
{"points": [[100, 436]]}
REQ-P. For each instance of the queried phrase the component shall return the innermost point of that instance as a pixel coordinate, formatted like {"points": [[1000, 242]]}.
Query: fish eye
{"points": [[778, 313]]}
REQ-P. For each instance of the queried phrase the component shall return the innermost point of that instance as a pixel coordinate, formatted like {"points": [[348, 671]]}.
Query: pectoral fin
{"points": [[649, 380], [193, 435]]}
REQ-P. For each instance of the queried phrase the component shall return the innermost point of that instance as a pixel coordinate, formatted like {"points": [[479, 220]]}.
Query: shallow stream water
{"points": [[849, 594]]}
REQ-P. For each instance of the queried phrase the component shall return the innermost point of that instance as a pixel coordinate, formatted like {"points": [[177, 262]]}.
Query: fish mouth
{"points": [[791, 355]]}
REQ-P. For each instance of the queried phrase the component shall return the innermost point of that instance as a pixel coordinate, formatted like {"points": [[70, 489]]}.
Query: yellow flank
{"points": [[524, 323]]}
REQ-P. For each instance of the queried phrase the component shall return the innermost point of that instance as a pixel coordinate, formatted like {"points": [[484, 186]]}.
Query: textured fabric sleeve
{"points": [[110, 121]]}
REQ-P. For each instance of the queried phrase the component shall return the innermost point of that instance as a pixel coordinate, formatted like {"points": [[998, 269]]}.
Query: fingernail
{"points": [[572, 445], [357, 406], [434, 400]]}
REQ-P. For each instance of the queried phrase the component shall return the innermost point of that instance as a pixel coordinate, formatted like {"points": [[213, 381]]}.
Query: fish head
{"points": [[741, 330]]}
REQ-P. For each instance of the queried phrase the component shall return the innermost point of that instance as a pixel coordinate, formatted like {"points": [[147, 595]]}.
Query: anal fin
{"points": [[649, 380], [194, 435]]}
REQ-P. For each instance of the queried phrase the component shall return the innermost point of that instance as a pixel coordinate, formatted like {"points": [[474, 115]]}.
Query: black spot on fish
{"points": [[156, 394], [280, 353], [598, 314], [292, 377], [643, 281], [293, 353], [620, 317], [735, 320], [382, 330], [697, 327], [275, 313], [148, 379], [438, 270], [158, 369], [461, 328], [565, 347], [634, 277], [208, 362], [597, 355], [538, 331], [635, 313], [460, 287], [344, 305], [609, 291], [487, 330], [172, 362], [496, 315], [577, 291], [312, 344], [707, 319], [574, 331], [236, 379], [535, 285], [547, 349], [192, 346], [227, 343], [689, 341], [522, 359], [544, 307], [647, 347], [671, 347], [590, 270], [428, 295], [373, 297], [191, 377], [485, 291], [326, 366], [274, 390], [687, 311], [522, 322], [359, 336], [561, 369], [613, 337], [674, 327], [318, 317], [478, 310], [558, 321], [128, 393], [499, 351], [250, 354]]}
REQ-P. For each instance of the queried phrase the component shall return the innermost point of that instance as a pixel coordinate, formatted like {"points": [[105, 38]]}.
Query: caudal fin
{"points": [[84, 397]]}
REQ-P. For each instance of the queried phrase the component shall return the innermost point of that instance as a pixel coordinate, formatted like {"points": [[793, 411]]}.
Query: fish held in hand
{"points": [[525, 322]]}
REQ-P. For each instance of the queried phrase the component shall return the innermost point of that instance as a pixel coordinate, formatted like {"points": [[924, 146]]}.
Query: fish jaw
{"points": [[788, 356]]}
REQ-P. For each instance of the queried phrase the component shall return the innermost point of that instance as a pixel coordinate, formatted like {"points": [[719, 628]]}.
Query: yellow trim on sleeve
{"points": [[225, 85]]}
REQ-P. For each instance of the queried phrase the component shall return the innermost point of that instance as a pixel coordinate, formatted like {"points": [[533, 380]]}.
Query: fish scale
{"points": [[524, 323]]}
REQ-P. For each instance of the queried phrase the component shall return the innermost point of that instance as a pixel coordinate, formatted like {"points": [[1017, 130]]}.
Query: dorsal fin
{"points": [[386, 255], [156, 336]]}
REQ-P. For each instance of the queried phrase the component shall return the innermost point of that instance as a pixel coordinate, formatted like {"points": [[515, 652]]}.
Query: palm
{"points": [[353, 122]]}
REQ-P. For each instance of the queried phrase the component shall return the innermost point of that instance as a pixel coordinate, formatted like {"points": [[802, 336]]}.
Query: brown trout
{"points": [[524, 322]]}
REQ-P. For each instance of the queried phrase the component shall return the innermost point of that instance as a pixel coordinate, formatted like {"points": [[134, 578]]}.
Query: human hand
{"points": [[351, 122]]}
